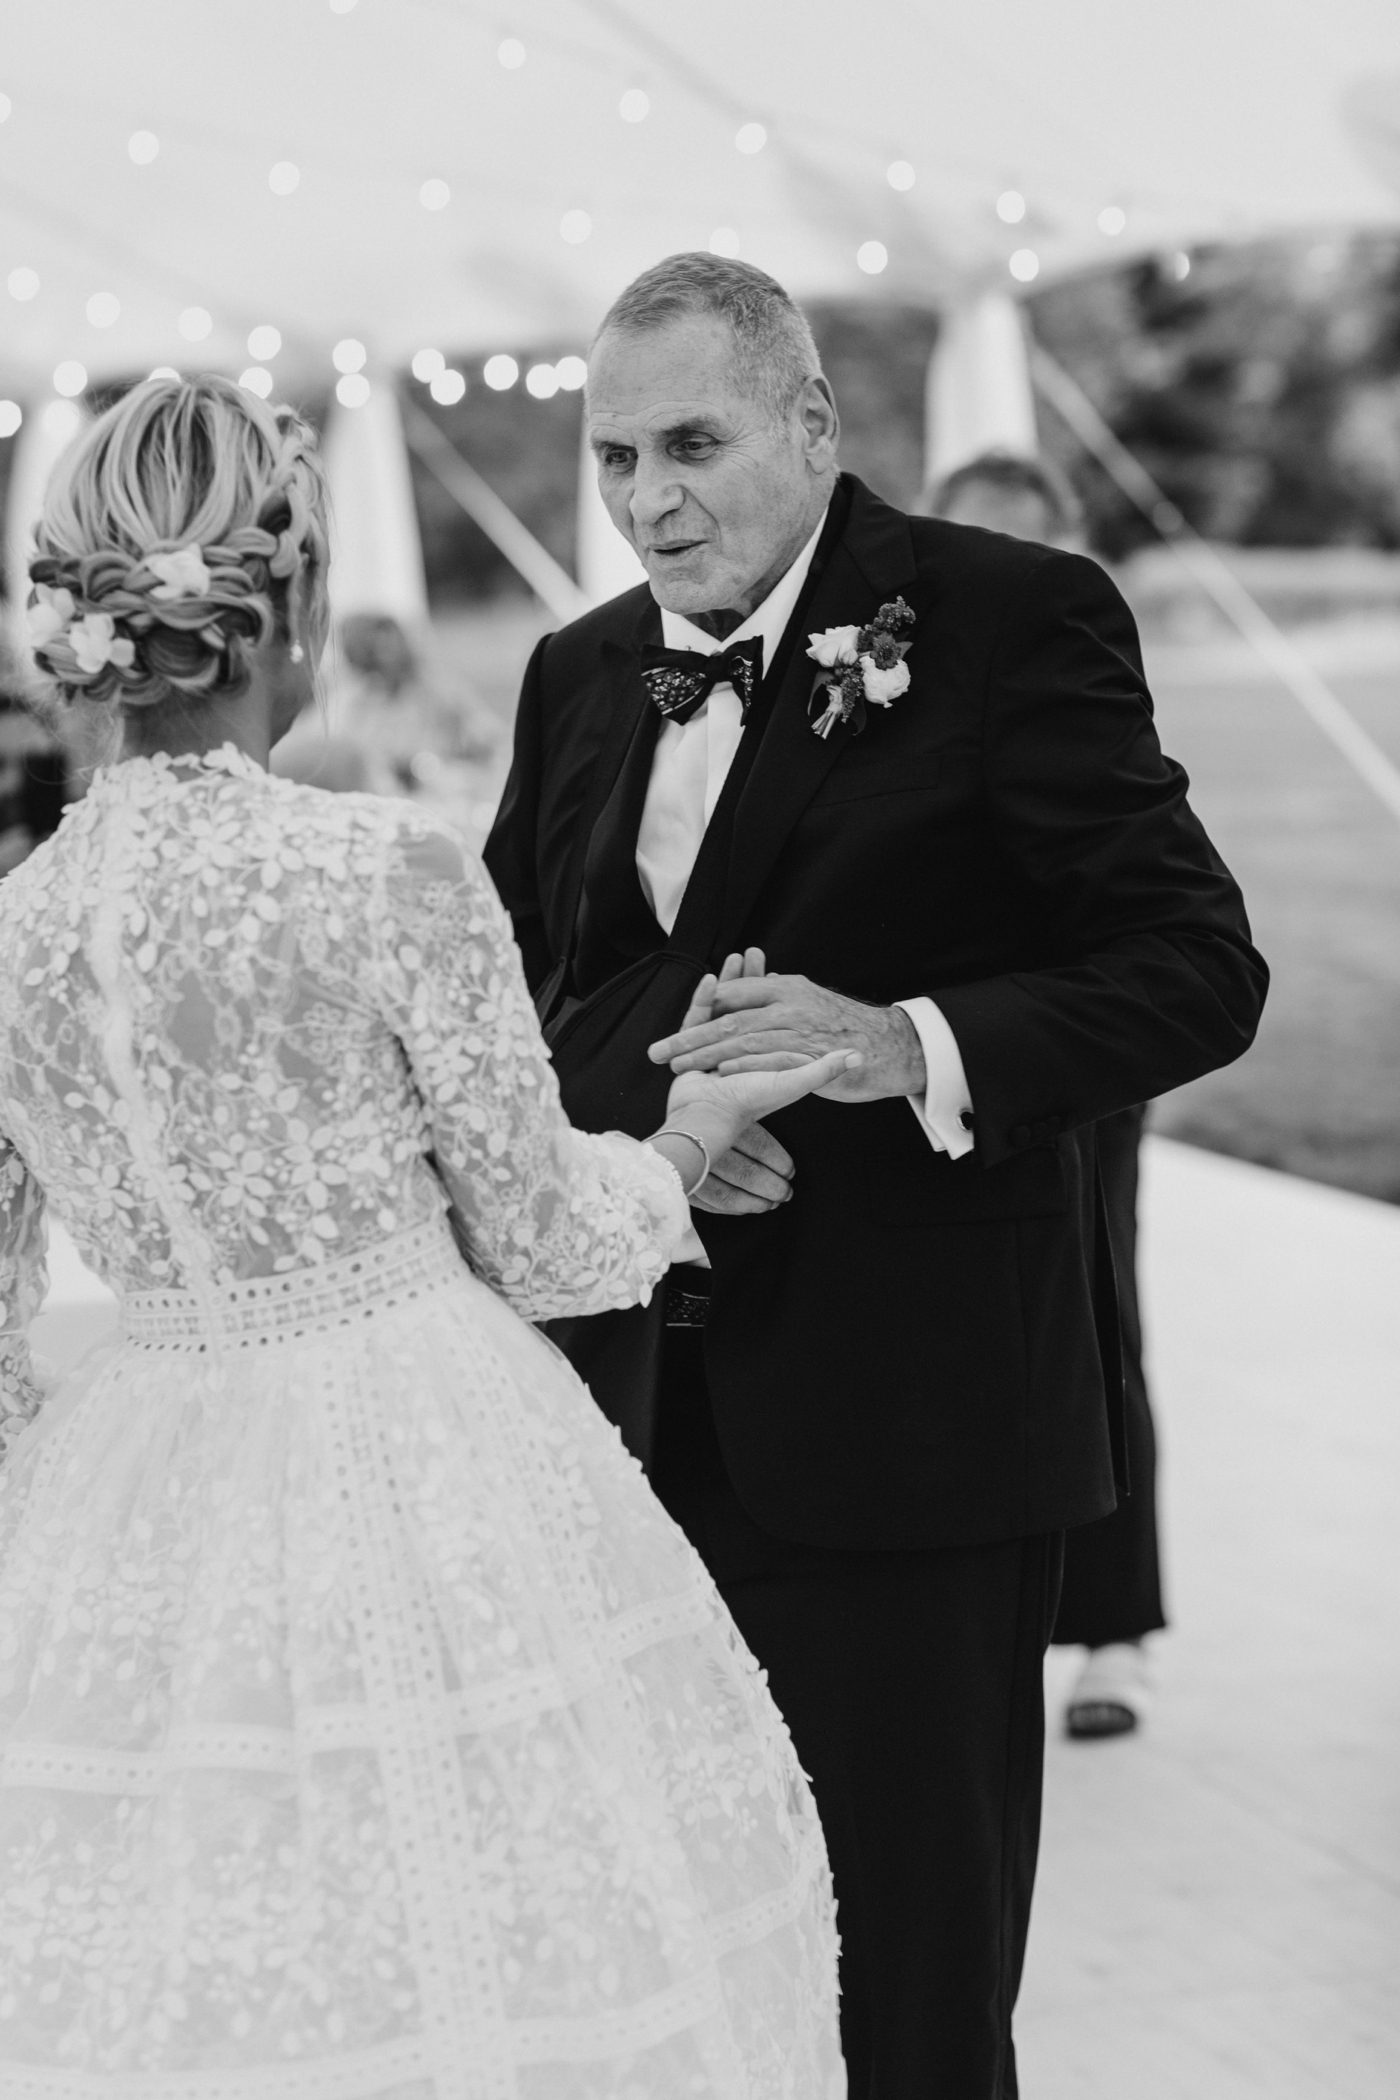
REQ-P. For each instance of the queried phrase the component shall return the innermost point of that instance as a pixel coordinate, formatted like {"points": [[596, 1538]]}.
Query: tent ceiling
{"points": [[1204, 119]]}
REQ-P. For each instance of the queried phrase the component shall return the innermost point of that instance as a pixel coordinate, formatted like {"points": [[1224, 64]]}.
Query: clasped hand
{"points": [[741, 1020]]}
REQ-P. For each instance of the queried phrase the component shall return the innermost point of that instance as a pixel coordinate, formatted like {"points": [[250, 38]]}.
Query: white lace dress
{"points": [[366, 1728]]}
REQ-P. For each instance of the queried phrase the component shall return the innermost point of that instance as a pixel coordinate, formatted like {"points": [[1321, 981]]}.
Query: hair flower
{"points": [[182, 574], [95, 643], [50, 615]]}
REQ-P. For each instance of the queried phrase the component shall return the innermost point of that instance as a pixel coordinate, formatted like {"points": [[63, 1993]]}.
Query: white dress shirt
{"points": [[688, 772]]}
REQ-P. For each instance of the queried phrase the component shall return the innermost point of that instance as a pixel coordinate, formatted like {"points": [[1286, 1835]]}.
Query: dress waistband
{"points": [[337, 1293]]}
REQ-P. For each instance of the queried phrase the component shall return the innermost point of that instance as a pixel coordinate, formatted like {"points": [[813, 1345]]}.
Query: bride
{"points": [[366, 1728]]}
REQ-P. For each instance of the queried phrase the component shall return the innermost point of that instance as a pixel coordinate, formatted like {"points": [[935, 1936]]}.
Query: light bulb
{"points": [[872, 257], [571, 373], [435, 194], [143, 146], [70, 378], [511, 53], [724, 240], [1112, 219], [575, 226], [1011, 207], [61, 420], [542, 381], [103, 308], [11, 416], [23, 283], [353, 390], [283, 177], [349, 355], [751, 138], [635, 106], [447, 386], [500, 372], [427, 364], [1024, 265], [264, 342], [257, 380], [899, 175], [195, 323]]}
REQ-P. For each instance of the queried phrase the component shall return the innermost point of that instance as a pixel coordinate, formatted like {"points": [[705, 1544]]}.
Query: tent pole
{"points": [[1219, 581], [551, 583]]}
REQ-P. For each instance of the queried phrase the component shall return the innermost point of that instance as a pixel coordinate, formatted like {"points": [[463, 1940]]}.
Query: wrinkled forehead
{"points": [[681, 370]]}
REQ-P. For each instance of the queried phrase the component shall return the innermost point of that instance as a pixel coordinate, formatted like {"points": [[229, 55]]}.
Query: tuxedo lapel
{"points": [[628, 706], [872, 561]]}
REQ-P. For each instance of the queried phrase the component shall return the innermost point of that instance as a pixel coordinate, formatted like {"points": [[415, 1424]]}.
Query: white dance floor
{"points": [[1218, 1913]]}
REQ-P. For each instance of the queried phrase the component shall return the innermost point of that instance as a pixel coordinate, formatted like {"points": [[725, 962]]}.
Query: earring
{"points": [[296, 653]]}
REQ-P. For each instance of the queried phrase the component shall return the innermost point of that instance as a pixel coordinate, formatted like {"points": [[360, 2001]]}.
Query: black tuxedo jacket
{"points": [[915, 1351]]}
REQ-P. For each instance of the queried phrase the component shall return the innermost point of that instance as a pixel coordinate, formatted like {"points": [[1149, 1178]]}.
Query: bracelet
{"points": [[670, 1130]]}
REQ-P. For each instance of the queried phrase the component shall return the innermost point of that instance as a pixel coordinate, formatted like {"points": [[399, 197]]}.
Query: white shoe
{"points": [[1111, 1694]]}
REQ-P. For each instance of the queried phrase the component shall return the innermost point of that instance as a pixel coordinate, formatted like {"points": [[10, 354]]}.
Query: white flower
{"points": [[94, 642], [50, 616], [182, 574], [883, 686], [836, 645]]}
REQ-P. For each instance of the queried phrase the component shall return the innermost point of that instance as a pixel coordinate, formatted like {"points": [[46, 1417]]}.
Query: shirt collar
{"points": [[766, 620]]}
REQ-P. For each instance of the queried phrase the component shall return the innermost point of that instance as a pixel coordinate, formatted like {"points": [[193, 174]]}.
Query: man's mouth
{"points": [[675, 547]]}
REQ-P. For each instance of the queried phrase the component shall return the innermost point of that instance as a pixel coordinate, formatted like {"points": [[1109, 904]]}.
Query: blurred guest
{"points": [[33, 781], [1112, 1595]]}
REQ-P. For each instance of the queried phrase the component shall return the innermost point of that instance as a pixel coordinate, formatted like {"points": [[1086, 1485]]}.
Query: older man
{"points": [[886, 1380]]}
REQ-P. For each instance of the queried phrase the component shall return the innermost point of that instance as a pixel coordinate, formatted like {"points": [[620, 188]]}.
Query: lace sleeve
{"points": [[556, 1220], [23, 1281]]}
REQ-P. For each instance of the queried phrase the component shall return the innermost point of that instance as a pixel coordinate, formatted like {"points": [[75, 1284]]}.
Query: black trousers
{"points": [[911, 1683], [1113, 1575]]}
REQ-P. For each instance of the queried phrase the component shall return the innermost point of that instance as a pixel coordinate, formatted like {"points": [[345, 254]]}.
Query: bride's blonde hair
{"points": [[198, 469]]}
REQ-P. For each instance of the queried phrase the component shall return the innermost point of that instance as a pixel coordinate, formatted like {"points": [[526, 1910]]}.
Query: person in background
{"points": [[33, 780], [1112, 1595]]}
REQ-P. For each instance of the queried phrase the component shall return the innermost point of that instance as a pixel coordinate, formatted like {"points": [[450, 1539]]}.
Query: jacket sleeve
{"points": [[511, 851], [1144, 975]]}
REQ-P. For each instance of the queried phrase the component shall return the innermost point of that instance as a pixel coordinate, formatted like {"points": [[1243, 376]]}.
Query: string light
{"points": [[162, 372], [195, 323], [434, 194], [724, 241], [500, 372], [427, 364], [283, 177], [511, 53], [353, 390], [448, 387], [103, 308], [349, 355], [143, 146], [900, 175], [1181, 265], [257, 380], [571, 373], [61, 420], [11, 416], [542, 381], [23, 283], [635, 106], [264, 342], [70, 378], [751, 138], [1112, 219], [575, 226], [1011, 207], [872, 257], [1024, 265]]}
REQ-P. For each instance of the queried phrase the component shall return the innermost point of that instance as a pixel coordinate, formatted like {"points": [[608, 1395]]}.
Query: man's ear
{"points": [[821, 425]]}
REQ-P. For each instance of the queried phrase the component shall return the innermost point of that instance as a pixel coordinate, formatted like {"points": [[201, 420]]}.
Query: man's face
{"points": [[717, 499], [1018, 512]]}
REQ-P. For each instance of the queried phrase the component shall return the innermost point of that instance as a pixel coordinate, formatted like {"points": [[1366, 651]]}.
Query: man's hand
{"points": [[756, 1173], [770, 1024]]}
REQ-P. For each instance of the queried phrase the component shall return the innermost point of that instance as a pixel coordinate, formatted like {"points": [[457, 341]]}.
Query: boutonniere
{"points": [[860, 665]]}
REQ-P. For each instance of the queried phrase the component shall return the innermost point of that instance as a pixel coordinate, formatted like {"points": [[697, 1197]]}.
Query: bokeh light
{"points": [[635, 106], [1180, 265], [724, 241], [195, 323], [349, 355], [103, 308], [353, 390], [872, 257], [435, 194], [511, 53], [264, 342], [5, 107], [11, 416], [342, 7], [900, 175], [257, 380], [1011, 207], [23, 283], [575, 226], [447, 386], [751, 138], [70, 378], [162, 372], [143, 146], [1024, 265], [571, 373], [500, 372], [542, 381], [61, 420], [283, 177], [1112, 219], [427, 364]]}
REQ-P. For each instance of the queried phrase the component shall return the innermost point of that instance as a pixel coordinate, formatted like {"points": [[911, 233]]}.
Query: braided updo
{"points": [[198, 469]]}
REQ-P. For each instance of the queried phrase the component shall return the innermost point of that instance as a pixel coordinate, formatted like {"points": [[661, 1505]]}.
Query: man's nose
{"points": [[656, 492]]}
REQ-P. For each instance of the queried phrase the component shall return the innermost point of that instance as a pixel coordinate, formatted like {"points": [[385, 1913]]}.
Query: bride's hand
{"points": [[746, 1097]]}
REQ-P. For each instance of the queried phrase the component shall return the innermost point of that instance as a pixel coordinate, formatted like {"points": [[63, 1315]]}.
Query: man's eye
{"points": [[694, 447], [616, 458]]}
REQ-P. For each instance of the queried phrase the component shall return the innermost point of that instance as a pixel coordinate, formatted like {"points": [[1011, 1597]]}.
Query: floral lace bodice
{"points": [[247, 1026]]}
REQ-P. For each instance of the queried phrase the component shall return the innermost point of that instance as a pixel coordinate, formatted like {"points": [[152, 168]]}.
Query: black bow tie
{"points": [[680, 680]]}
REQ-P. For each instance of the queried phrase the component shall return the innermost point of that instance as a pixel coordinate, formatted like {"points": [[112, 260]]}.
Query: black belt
{"points": [[687, 1301]]}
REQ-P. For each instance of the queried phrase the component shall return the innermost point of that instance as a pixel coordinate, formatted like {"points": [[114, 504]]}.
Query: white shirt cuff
{"points": [[946, 1098]]}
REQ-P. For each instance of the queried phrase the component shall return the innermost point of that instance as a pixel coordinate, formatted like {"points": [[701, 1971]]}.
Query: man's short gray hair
{"points": [[774, 353]]}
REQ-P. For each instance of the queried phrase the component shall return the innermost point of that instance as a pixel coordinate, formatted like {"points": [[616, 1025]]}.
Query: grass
{"points": [[1318, 858]]}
